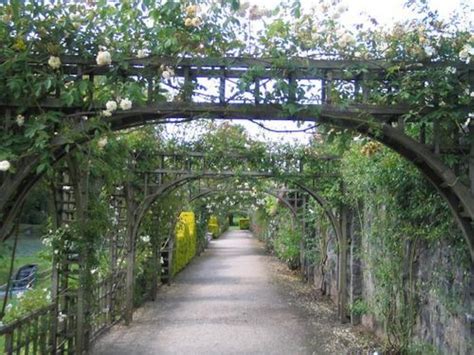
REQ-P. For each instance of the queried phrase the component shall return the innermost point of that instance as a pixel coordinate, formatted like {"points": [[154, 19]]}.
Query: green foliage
{"points": [[359, 307], [406, 216], [280, 234], [26, 303], [287, 243]]}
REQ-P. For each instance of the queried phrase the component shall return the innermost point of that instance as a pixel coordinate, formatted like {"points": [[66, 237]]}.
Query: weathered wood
{"points": [[131, 245], [222, 84], [436, 137], [356, 279], [342, 265], [188, 84], [471, 157], [305, 68]]}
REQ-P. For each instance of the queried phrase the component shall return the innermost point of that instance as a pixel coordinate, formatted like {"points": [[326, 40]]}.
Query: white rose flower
{"points": [[61, 317], [102, 142], [125, 104], [142, 53], [106, 113], [167, 73], [191, 10], [466, 52], [5, 165], [103, 58], [196, 22], [430, 51], [111, 106], [451, 70], [345, 40], [54, 62], [20, 120]]}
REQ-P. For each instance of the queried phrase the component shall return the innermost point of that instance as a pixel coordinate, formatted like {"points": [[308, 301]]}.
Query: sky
{"points": [[386, 12]]}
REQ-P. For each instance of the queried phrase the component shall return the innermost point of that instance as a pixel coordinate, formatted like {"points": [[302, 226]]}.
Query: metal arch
{"points": [[455, 193], [445, 181], [325, 206], [184, 180], [268, 192], [355, 116]]}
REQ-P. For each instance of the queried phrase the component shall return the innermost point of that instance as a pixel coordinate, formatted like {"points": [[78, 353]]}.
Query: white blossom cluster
{"points": [[5, 165], [54, 62], [167, 72], [111, 106], [466, 53], [192, 20]]}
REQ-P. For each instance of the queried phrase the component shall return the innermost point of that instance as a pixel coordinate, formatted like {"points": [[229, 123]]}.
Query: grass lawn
{"points": [[28, 247]]}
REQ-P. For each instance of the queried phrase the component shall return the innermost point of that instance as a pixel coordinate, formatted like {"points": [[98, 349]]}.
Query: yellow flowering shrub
{"points": [[185, 243], [213, 227]]}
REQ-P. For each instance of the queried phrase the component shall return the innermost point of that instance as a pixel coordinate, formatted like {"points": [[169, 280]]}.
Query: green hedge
{"points": [[244, 223]]}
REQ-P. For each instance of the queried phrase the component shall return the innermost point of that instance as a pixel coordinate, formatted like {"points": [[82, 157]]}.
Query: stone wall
{"points": [[445, 317]]}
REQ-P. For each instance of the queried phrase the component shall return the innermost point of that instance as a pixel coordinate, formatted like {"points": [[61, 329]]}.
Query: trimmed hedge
{"points": [[244, 223], [213, 227], [185, 245]]}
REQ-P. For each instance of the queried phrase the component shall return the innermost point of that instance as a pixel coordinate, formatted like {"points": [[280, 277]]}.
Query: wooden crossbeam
{"points": [[238, 67]]}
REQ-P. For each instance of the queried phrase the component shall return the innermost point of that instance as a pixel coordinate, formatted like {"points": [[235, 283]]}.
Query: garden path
{"points": [[226, 301]]}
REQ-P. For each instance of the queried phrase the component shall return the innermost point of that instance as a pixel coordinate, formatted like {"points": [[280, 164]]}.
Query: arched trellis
{"points": [[378, 122], [275, 194], [338, 224], [152, 197]]}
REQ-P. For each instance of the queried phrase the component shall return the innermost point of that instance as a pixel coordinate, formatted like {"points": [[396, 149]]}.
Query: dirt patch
{"points": [[330, 336]]}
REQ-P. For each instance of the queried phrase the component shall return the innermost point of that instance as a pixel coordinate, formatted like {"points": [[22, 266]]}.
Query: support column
{"points": [[130, 279], [356, 265], [342, 265], [156, 260]]}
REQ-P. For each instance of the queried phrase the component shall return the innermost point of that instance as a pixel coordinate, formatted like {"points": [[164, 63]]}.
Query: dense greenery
{"points": [[400, 215], [401, 219]]}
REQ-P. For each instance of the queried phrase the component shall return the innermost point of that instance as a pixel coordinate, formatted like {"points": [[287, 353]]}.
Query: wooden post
{"points": [[356, 264], [130, 282], [257, 91], [222, 87], [342, 264], [156, 258], [328, 86], [471, 137], [292, 87], [150, 90], [81, 195], [436, 137], [188, 84], [471, 157], [365, 87]]}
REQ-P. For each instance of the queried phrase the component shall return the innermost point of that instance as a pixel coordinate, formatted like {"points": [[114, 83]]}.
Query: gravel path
{"points": [[233, 299]]}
